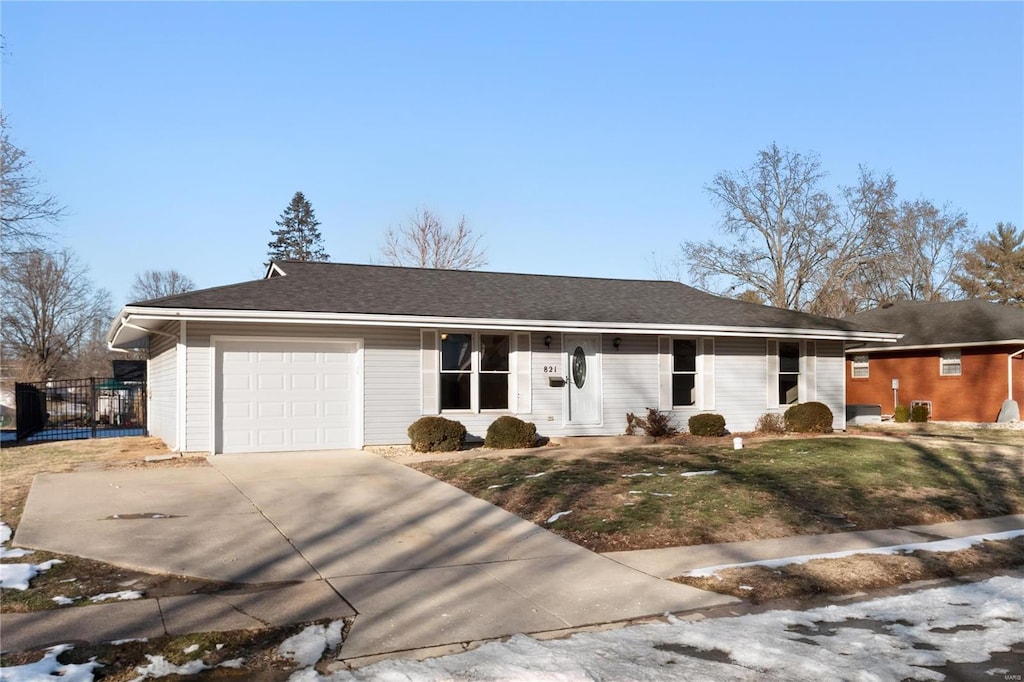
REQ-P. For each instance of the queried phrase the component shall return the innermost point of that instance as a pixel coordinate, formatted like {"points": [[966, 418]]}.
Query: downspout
{"points": [[1009, 373]]}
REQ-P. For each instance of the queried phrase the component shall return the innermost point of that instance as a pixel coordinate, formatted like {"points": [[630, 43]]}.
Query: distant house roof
{"points": [[950, 323], [371, 293]]}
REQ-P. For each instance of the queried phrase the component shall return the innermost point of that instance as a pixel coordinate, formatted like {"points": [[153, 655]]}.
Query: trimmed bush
{"points": [[436, 434], [510, 432], [919, 413], [808, 418], [770, 422], [901, 414], [707, 425]]}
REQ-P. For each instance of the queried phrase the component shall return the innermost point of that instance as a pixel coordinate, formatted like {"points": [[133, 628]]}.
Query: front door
{"points": [[583, 396]]}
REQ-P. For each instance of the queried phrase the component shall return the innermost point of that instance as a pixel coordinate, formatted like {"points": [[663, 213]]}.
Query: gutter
{"points": [[377, 320]]}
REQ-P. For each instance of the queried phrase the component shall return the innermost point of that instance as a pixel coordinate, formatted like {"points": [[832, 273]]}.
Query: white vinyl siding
{"points": [[734, 371], [162, 377]]}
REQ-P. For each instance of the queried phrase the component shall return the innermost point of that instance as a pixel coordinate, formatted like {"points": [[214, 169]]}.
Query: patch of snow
{"points": [[951, 545], [912, 633], [61, 600], [555, 517], [47, 668], [498, 485], [306, 647], [5, 537], [128, 641], [190, 649], [124, 595], [161, 667], [5, 533], [219, 647], [642, 473], [636, 492], [18, 576], [709, 472], [662, 494], [746, 588], [997, 671], [233, 663], [535, 475]]}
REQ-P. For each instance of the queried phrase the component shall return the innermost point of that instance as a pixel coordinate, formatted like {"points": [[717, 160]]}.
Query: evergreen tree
{"points": [[994, 270], [298, 237]]}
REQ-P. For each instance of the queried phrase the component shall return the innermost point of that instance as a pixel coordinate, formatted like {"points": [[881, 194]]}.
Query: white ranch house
{"points": [[324, 356]]}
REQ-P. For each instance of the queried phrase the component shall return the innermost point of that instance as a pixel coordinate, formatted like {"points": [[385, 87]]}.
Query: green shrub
{"points": [[707, 425], [919, 413], [436, 434], [901, 414], [510, 432], [770, 422], [808, 418]]}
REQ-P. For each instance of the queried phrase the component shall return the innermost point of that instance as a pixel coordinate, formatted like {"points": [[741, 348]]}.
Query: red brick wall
{"points": [[976, 395]]}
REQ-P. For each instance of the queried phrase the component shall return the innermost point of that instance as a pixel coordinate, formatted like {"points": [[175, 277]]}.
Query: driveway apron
{"points": [[422, 563]]}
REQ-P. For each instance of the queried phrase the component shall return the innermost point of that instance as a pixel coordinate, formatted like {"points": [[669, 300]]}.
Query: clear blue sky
{"points": [[577, 137]]}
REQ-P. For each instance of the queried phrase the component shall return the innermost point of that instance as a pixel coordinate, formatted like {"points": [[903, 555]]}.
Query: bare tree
{"points": [[426, 243], [50, 306], [923, 254], [24, 208], [158, 284], [788, 242]]}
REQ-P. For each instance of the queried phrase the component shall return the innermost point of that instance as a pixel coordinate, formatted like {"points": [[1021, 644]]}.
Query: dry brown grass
{"points": [[859, 572], [20, 463]]}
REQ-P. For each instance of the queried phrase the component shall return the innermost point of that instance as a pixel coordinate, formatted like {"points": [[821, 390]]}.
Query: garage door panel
{"points": [[287, 395]]}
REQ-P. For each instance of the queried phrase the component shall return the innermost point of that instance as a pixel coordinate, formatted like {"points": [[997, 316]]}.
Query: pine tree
{"points": [[994, 270], [298, 237]]}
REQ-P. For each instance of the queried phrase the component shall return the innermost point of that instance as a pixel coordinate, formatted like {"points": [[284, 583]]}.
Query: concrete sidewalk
{"points": [[675, 561], [417, 562]]}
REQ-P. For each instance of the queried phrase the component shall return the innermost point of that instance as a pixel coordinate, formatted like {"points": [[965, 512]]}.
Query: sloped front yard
{"points": [[654, 497]]}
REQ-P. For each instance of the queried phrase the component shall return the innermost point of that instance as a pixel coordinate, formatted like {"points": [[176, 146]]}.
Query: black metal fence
{"points": [[79, 408]]}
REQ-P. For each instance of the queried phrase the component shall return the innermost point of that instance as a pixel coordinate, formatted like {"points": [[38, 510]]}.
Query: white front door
{"points": [[583, 394], [287, 395]]}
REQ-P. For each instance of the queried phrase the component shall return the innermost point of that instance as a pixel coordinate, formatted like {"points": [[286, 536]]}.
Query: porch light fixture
{"points": [[616, 342], [547, 341]]}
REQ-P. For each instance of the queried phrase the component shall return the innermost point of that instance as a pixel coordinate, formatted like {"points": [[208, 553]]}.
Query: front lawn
{"points": [[642, 499]]}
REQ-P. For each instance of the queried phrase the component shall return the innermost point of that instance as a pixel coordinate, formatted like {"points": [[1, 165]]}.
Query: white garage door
{"points": [[288, 395]]}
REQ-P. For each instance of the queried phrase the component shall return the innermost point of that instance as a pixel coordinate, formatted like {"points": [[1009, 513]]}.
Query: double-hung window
{"points": [[684, 372], [949, 362], [859, 367], [475, 371], [789, 372]]}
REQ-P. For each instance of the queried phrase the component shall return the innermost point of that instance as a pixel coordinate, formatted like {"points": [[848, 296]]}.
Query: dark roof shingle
{"points": [[946, 323], [387, 290]]}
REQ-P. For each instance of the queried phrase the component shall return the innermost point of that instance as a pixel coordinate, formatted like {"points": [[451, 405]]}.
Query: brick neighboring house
{"points": [[964, 357]]}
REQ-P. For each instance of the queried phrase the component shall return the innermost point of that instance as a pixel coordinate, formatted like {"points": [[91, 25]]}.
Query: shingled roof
{"points": [[950, 323], [301, 287]]}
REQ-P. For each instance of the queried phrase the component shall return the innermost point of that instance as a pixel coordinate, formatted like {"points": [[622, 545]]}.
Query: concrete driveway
{"points": [[421, 562]]}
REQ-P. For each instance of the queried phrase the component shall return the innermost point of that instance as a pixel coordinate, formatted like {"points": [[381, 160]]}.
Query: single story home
{"points": [[963, 359], [326, 355]]}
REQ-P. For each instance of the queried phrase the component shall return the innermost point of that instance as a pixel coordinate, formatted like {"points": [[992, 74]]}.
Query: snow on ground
{"points": [[47, 668], [160, 667], [951, 545], [709, 472], [18, 576], [558, 515], [308, 646], [123, 595], [883, 639]]}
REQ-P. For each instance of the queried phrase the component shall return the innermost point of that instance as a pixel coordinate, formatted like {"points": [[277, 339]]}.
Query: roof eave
{"points": [[141, 315], [933, 346]]}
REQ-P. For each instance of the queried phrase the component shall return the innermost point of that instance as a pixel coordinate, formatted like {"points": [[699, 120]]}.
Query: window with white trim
{"points": [[789, 372], [475, 371], [949, 362], [684, 372], [859, 367]]}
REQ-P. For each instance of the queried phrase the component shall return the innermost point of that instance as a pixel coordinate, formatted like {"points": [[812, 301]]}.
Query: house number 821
{"points": [[551, 369]]}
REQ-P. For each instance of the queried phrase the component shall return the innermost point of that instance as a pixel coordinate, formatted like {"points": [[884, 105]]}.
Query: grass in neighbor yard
{"points": [[638, 499]]}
